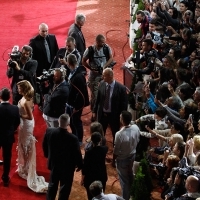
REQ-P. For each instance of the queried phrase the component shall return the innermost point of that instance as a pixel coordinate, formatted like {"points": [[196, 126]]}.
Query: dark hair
{"points": [[71, 59], [161, 112], [96, 127], [181, 74], [175, 12], [5, 94], [186, 91], [27, 48], [96, 138], [181, 148], [99, 37], [96, 188], [177, 51], [149, 42], [187, 32], [153, 21], [185, 3], [126, 117], [182, 63], [140, 12]]}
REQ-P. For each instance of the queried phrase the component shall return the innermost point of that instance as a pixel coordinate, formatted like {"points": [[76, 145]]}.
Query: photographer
{"points": [[21, 67], [78, 96], [150, 57], [61, 56], [99, 57], [57, 97]]}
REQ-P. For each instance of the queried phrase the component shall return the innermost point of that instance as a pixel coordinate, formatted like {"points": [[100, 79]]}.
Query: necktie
{"points": [[47, 50], [107, 98]]}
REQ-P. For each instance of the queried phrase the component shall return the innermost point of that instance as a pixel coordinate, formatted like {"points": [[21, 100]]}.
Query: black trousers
{"points": [[7, 154], [112, 120], [65, 177], [76, 124]]}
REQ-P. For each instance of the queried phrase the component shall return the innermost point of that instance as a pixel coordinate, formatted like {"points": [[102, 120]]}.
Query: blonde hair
{"points": [[27, 89], [176, 138], [196, 140]]}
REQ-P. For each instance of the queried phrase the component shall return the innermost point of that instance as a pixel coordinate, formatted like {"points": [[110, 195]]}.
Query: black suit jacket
{"points": [[78, 93], [28, 72], [55, 101], [62, 149], [119, 100], [76, 33], [9, 121], [39, 51]]}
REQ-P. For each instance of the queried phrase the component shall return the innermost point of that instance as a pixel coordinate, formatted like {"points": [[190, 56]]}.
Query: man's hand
{"points": [[62, 61], [16, 65]]}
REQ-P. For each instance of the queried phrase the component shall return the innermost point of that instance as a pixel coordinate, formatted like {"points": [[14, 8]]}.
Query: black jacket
{"points": [[39, 51], [119, 100], [76, 33], [62, 149], [9, 121], [78, 93], [94, 167], [55, 101], [28, 72]]}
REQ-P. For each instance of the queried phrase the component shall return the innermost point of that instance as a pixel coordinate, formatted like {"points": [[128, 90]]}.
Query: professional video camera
{"points": [[15, 55], [46, 75]]}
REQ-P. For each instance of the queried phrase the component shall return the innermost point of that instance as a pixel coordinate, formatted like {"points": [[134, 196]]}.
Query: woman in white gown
{"points": [[26, 140]]}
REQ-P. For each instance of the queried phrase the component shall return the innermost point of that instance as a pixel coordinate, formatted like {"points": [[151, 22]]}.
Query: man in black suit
{"points": [[56, 99], [61, 57], [111, 101], [64, 156], [9, 121], [78, 96], [22, 69], [76, 33], [45, 47]]}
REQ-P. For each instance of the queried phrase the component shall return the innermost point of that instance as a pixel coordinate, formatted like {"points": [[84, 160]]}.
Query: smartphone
{"points": [[190, 118]]}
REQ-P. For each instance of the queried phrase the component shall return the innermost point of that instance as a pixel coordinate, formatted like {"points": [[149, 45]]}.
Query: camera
{"points": [[46, 75], [15, 55]]}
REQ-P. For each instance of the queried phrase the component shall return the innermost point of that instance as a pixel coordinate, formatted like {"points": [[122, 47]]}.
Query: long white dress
{"points": [[27, 155]]}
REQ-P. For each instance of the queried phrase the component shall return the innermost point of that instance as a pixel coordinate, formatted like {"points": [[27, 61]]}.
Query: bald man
{"points": [[45, 47], [111, 101], [192, 185]]}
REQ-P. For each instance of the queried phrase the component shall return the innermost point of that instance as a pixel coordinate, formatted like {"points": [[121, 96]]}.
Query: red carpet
{"points": [[19, 22]]}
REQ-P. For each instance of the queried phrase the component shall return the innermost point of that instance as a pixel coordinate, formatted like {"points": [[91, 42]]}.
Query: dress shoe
{"points": [[1, 162], [6, 183]]}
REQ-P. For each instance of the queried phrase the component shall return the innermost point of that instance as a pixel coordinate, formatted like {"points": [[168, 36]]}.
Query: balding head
{"points": [[192, 184], [108, 75], [43, 29]]}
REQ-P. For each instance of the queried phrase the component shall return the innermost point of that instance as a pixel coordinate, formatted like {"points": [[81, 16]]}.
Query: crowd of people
{"points": [[166, 70]]}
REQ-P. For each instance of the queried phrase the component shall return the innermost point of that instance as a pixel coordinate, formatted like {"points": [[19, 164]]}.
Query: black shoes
{"points": [[6, 183], [1, 162]]}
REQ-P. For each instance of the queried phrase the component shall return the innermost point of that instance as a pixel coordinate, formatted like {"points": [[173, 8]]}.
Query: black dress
{"points": [[94, 167]]}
